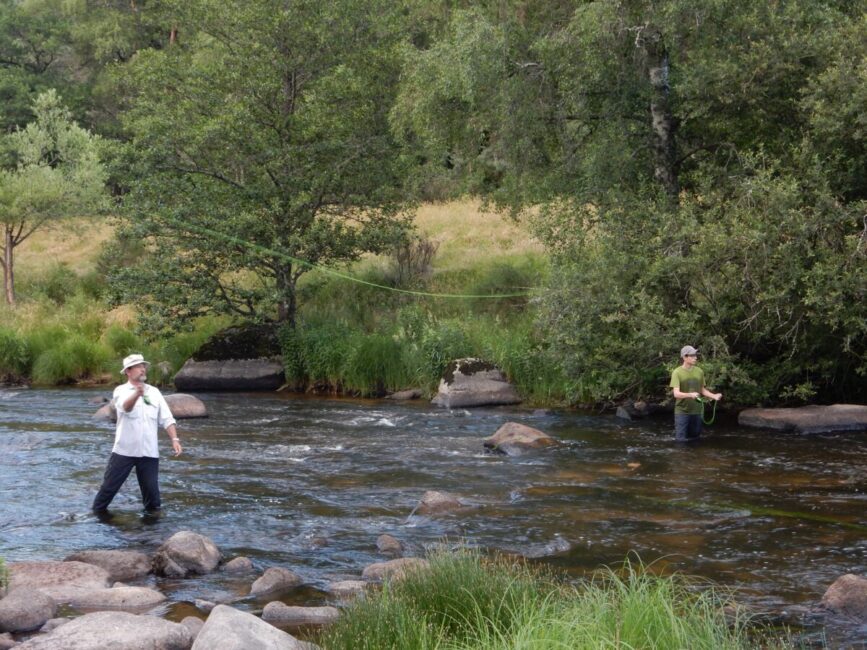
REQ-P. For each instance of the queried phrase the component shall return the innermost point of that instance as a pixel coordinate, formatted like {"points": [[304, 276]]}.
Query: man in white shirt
{"points": [[141, 410]]}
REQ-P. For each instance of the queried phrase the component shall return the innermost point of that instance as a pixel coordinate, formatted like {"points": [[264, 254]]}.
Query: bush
{"points": [[121, 341], [76, 357], [14, 354]]}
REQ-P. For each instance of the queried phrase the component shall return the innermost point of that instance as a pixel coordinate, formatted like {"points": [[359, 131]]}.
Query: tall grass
{"points": [[461, 594], [467, 602]]}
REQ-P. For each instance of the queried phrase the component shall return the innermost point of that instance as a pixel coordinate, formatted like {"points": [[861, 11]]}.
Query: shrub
{"points": [[76, 357], [14, 354], [120, 340]]}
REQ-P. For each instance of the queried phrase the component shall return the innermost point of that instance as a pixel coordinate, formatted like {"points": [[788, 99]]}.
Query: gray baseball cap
{"points": [[687, 350]]}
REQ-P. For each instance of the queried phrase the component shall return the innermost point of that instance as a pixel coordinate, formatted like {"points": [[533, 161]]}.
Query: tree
{"points": [[691, 167], [54, 173], [259, 145]]}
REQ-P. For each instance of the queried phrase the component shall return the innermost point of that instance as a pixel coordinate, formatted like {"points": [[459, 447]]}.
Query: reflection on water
{"points": [[310, 484]]}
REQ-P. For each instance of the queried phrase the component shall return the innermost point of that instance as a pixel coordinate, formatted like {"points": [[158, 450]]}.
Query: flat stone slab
{"points": [[121, 565], [231, 374], [808, 419]]}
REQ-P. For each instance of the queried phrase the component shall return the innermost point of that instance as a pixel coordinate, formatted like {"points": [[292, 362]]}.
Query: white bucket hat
{"points": [[133, 360]]}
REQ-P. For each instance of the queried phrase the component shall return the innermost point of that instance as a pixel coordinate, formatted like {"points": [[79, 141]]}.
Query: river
{"points": [[309, 484]]}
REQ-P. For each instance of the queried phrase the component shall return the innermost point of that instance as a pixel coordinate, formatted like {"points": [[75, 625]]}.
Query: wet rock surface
{"points": [[808, 419]]}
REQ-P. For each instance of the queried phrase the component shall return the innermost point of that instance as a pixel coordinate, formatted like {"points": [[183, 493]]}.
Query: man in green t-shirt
{"points": [[687, 380]]}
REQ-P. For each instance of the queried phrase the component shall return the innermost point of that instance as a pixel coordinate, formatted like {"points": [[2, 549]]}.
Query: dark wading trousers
{"points": [[147, 472], [687, 427]]}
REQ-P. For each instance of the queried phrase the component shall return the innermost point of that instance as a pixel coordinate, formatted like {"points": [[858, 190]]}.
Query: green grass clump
{"points": [[73, 357], [465, 601], [4, 575], [14, 353], [459, 595]]}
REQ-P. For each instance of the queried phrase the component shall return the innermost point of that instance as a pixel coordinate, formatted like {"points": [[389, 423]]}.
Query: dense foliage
{"points": [[696, 172], [259, 147]]}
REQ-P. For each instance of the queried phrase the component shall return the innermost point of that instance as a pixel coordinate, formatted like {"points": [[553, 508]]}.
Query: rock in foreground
{"points": [[230, 629], [848, 596], [115, 630]]}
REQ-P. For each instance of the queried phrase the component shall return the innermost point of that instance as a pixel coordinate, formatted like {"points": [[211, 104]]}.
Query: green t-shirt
{"points": [[687, 381]]}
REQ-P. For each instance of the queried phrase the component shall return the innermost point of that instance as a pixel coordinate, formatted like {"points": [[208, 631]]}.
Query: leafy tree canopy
{"points": [[54, 171], [266, 125]]}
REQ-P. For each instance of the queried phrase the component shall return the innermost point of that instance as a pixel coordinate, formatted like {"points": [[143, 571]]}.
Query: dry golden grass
{"points": [[75, 243], [467, 234]]}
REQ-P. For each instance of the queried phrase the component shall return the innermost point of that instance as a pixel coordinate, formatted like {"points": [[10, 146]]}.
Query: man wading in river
{"points": [[687, 380], [141, 409]]}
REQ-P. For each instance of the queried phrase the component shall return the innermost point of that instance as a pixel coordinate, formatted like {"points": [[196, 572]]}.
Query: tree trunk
{"points": [[663, 124], [286, 304], [8, 270]]}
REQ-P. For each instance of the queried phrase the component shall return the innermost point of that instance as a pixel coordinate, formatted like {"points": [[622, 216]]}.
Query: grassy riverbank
{"points": [[469, 602], [352, 337]]}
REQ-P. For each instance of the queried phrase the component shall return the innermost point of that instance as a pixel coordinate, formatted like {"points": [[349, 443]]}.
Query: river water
{"points": [[309, 484]]}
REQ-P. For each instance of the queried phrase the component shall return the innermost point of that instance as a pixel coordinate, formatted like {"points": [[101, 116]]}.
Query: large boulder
{"points": [[121, 565], [848, 596], [237, 358], [26, 609], [514, 439], [230, 629], [186, 553], [264, 373], [115, 630], [473, 382], [60, 580], [808, 419]]}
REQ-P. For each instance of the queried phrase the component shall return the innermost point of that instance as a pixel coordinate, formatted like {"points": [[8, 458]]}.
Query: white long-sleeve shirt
{"points": [[136, 433]]}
